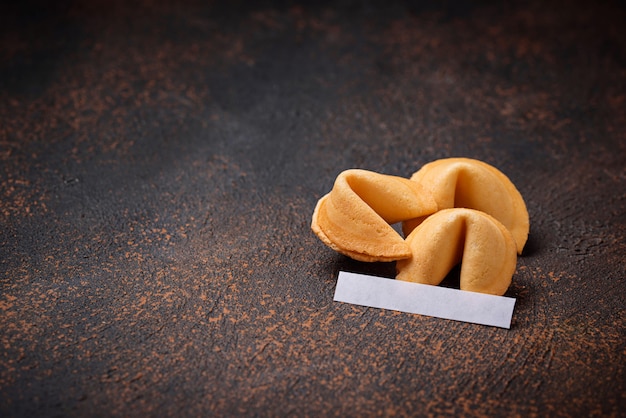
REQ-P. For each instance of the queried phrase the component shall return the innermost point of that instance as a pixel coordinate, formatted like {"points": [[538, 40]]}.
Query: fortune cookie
{"points": [[484, 247], [473, 184], [354, 218]]}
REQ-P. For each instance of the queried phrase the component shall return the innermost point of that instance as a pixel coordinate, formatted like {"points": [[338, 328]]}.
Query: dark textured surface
{"points": [[159, 164]]}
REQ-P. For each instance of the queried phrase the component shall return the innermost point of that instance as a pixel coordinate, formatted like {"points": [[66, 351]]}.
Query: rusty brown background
{"points": [[160, 162]]}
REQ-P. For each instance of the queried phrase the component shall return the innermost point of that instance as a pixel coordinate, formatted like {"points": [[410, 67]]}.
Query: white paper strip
{"points": [[440, 302]]}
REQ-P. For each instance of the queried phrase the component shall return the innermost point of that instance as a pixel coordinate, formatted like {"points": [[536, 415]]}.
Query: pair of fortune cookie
{"points": [[452, 210]]}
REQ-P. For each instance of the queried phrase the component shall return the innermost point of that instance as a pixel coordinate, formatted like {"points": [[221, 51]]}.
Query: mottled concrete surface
{"points": [[160, 162]]}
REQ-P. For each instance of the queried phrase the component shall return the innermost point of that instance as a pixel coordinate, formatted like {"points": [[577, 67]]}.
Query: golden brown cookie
{"points": [[484, 247], [354, 218], [473, 184]]}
